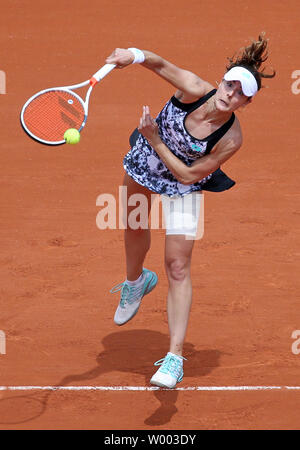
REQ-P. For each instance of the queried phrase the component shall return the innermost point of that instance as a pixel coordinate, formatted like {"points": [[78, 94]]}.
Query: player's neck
{"points": [[213, 115]]}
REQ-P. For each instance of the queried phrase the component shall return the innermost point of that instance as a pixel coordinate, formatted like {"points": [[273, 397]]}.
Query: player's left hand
{"points": [[148, 127]]}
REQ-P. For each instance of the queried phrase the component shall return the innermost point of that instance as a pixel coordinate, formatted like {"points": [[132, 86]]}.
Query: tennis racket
{"points": [[47, 115]]}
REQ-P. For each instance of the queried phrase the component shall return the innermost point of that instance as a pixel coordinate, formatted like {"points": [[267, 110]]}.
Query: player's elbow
{"points": [[184, 181], [190, 179], [193, 176], [194, 173]]}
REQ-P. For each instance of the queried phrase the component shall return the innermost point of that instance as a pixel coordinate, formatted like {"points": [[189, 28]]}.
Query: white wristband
{"points": [[139, 56]]}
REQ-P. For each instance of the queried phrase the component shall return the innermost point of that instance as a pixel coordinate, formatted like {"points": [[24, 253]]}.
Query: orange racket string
{"points": [[50, 114]]}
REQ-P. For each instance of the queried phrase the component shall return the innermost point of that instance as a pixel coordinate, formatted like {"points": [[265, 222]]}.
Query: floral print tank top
{"points": [[144, 165]]}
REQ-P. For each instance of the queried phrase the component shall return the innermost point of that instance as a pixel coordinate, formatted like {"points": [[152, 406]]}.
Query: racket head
{"points": [[47, 115]]}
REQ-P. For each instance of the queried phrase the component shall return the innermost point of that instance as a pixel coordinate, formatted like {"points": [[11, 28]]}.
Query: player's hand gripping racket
{"points": [[47, 115]]}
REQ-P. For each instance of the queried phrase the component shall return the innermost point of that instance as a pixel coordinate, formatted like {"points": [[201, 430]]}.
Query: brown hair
{"points": [[252, 57]]}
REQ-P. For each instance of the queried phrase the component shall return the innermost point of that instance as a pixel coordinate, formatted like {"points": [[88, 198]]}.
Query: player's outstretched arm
{"points": [[187, 83]]}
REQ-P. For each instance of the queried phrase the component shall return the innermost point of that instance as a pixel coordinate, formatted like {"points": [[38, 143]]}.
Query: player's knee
{"points": [[177, 268]]}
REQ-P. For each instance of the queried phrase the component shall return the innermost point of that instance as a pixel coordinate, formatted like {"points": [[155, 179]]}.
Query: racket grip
{"points": [[102, 73]]}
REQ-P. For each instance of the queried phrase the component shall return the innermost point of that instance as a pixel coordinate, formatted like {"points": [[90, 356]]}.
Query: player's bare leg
{"points": [[137, 241], [140, 281], [178, 252]]}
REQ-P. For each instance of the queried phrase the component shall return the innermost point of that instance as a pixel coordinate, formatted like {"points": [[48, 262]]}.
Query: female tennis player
{"points": [[178, 155]]}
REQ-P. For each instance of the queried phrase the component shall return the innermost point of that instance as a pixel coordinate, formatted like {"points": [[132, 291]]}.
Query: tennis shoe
{"points": [[170, 372], [131, 296]]}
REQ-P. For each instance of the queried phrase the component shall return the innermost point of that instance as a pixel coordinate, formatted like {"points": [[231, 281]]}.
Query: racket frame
{"points": [[98, 76]]}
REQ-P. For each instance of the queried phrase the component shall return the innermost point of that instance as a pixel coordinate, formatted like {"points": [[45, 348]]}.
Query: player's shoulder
{"points": [[200, 89]]}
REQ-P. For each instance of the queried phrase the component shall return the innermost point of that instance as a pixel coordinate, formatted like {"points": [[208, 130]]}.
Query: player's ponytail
{"points": [[252, 57]]}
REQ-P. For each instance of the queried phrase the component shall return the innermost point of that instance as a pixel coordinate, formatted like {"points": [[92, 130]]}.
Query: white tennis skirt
{"points": [[184, 214]]}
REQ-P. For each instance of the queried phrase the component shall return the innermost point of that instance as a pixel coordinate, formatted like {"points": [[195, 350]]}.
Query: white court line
{"points": [[146, 388]]}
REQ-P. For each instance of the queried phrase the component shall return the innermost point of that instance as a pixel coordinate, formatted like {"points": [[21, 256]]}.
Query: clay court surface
{"points": [[57, 266]]}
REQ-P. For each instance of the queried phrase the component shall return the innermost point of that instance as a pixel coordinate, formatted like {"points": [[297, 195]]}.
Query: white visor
{"points": [[248, 81]]}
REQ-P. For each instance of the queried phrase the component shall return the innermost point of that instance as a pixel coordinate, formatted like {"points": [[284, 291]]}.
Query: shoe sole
{"points": [[162, 385], [153, 280]]}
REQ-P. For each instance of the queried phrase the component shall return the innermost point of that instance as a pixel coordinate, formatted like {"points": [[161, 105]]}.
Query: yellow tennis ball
{"points": [[72, 136]]}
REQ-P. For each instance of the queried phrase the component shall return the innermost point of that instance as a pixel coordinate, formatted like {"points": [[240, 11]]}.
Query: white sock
{"points": [[136, 282], [181, 358]]}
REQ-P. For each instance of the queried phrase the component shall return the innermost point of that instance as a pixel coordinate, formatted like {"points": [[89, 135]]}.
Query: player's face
{"points": [[230, 97]]}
